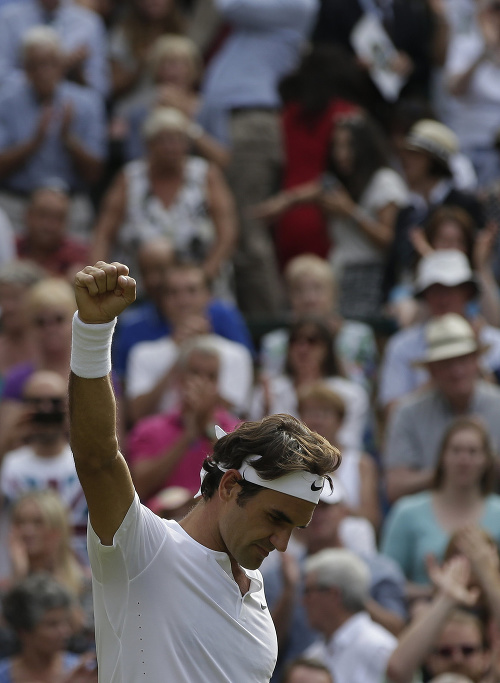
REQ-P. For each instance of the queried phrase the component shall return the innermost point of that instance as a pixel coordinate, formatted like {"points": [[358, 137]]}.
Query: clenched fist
{"points": [[103, 291]]}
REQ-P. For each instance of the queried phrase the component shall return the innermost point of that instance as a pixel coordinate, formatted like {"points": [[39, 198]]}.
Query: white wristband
{"points": [[91, 348]]}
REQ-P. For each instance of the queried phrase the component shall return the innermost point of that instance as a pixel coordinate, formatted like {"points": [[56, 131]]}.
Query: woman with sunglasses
{"points": [[310, 359], [421, 525]]}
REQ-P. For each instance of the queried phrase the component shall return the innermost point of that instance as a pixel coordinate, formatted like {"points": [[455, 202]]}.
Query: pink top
{"points": [[153, 435]]}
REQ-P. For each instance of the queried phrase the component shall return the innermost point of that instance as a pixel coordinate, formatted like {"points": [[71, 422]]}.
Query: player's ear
{"points": [[229, 486]]}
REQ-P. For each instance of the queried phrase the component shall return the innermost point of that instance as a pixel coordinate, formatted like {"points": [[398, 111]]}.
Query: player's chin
{"points": [[254, 559]]}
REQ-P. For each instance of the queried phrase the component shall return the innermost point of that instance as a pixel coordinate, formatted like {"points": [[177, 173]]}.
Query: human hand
{"points": [[173, 96], [191, 326], [270, 209], [66, 121], [338, 201], [452, 579], [490, 31], [76, 57], [402, 64], [483, 246], [103, 291], [44, 121], [17, 427], [199, 398], [482, 555], [85, 672], [437, 7], [419, 241]]}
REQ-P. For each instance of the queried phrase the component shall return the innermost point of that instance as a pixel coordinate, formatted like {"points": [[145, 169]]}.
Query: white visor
{"points": [[305, 485]]}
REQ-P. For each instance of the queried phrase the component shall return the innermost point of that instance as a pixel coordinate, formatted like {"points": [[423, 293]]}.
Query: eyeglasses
{"points": [[318, 588], [45, 321], [447, 651]]}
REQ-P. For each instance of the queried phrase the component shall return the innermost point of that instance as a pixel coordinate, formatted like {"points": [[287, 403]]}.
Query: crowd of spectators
{"points": [[308, 195]]}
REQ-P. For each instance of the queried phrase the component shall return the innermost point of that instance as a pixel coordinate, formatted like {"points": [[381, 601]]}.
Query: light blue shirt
{"points": [[411, 532], [263, 47], [76, 26], [19, 116]]}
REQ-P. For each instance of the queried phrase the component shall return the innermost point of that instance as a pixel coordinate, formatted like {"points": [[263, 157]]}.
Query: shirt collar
{"points": [[344, 635]]}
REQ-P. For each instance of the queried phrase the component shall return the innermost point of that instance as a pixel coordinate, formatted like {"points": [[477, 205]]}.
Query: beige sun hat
{"points": [[433, 137], [449, 336]]}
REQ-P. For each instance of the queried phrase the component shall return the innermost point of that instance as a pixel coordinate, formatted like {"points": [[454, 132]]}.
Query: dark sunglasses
{"points": [[56, 403], [466, 650]]}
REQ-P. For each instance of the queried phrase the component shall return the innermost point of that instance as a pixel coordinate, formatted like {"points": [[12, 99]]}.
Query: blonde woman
{"points": [[175, 70], [40, 541]]}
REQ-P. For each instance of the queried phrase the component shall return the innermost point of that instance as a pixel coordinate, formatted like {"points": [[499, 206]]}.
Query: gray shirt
{"points": [[419, 422]]}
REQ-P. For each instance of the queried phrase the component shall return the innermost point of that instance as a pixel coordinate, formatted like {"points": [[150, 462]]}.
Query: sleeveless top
{"points": [[185, 222]]}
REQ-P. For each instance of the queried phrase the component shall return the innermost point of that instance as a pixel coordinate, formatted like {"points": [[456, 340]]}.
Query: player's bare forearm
{"points": [[102, 470], [102, 292]]}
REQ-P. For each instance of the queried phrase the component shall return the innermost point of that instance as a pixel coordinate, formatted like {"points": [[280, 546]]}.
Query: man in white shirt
{"points": [[182, 602], [355, 648]]}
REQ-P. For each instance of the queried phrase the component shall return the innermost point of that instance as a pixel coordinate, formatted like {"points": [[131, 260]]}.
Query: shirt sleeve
{"points": [[462, 52], [388, 188], [268, 14], [97, 65], [90, 123], [401, 447], [396, 374], [135, 544]]}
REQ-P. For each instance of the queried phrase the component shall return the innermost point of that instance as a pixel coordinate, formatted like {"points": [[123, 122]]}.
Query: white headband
{"points": [[301, 484]]}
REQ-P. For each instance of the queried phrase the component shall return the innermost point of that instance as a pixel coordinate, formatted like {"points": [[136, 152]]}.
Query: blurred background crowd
{"points": [[308, 195]]}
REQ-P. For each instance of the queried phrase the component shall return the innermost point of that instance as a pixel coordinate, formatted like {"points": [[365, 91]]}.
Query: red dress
{"points": [[303, 228]]}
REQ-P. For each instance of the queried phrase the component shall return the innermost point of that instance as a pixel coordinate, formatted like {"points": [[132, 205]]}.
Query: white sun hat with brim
{"points": [[449, 336], [447, 267]]}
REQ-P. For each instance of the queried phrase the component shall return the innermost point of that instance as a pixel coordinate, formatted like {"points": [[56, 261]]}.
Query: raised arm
{"points": [[102, 292]]}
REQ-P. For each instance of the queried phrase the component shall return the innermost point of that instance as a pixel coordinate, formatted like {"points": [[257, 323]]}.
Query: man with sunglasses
{"points": [[442, 637], [43, 458]]}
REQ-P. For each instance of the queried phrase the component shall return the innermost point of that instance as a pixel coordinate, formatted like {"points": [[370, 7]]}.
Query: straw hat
{"points": [[449, 336], [434, 138]]}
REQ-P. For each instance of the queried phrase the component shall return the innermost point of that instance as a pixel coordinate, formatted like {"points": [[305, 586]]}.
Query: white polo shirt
{"points": [[167, 609], [358, 652]]}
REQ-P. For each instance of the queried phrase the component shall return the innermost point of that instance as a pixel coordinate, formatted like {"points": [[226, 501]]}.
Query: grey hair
{"points": [[40, 36], [26, 603], [22, 273], [203, 343], [164, 118], [346, 571]]}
